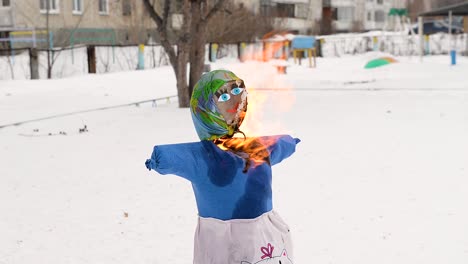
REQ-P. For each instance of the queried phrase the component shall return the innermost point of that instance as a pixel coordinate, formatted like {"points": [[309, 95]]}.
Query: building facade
{"points": [[61, 23], [69, 22], [296, 16], [361, 15], [312, 16]]}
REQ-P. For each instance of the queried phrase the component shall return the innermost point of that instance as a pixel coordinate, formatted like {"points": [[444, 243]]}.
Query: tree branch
{"points": [[162, 28], [166, 9], [185, 36], [213, 11], [153, 14]]}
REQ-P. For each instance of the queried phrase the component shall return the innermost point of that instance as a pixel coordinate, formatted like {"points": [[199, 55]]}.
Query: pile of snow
{"points": [[379, 176]]}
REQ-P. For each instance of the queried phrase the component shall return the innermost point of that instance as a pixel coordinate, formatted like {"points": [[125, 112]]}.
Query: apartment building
{"points": [[297, 16], [69, 22], [361, 15]]}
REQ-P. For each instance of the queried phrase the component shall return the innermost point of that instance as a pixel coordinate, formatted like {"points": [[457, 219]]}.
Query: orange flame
{"points": [[255, 149], [269, 96], [270, 49]]}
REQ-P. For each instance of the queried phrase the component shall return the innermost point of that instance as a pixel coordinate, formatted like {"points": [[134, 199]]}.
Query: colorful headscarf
{"points": [[208, 121]]}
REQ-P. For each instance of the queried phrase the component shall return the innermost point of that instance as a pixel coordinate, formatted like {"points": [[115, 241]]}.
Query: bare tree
{"points": [[326, 23], [237, 24], [52, 55], [190, 40], [49, 61]]}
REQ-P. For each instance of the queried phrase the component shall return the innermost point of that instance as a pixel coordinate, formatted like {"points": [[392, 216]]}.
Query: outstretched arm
{"points": [[281, 147], [180, 159]]}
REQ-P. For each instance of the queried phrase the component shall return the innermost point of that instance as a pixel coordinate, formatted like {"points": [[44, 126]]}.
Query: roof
{"points": [[460, 9]]}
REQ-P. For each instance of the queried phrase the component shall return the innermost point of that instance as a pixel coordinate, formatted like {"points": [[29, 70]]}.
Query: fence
{"points": [[19, 64], [395, 44], [350, 44], [16, 64]]}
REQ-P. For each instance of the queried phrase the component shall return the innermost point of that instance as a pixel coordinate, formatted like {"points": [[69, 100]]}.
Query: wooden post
{"points": [[91, 50], [453, 52], [213, 52], [421, 37], [465, 26], [300, 56], [450, 29], [286, 50], [34, 63], [426, 46], [466, 45], [314, 53], [141, 57], [319, 47], [210, 52]]}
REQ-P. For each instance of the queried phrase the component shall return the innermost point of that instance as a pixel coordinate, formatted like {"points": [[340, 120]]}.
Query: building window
{"points": [[4, 3], [126, 8], [77, 7], [346, 13], [380, 2], [302, 11], [369, 16], [285, 10], [379, 16], [266, 10], [52, 5], [103, 7]]}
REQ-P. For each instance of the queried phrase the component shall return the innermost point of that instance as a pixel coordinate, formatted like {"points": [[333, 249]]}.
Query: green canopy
{"points": [[398, 12]]}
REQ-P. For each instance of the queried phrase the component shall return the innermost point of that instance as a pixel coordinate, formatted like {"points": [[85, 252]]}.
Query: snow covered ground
{"points": [[380, 175]]}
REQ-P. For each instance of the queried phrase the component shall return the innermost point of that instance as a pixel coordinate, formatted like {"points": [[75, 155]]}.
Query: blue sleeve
{"points": [[283, 147], [184, 160]]}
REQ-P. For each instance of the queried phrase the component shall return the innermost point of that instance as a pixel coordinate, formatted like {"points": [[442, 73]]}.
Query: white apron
{"points": [[265, 239]]}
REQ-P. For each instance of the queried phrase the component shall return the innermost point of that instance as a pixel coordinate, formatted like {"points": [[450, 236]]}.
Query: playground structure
{"points": [[103, 35], [28, 36], [397, 20], [22, 38], [378, 62], [304, 45], [275, 48], [460, 9]]}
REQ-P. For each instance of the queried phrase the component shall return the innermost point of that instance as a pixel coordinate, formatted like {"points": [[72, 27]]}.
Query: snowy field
{"points": [[380, 177]]}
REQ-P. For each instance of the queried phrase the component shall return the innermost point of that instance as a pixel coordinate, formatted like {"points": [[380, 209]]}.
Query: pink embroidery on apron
{"points": [[267, 251]]}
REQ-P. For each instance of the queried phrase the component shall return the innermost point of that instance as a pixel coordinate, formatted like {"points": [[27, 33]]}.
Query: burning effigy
{"points": [[231, 176]]}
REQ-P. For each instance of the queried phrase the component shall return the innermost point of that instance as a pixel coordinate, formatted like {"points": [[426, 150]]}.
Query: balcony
{"points": [[6, 17], [294, 24]]}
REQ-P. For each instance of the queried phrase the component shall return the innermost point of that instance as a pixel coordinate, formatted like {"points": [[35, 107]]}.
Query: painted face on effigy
{"points": [[231, 100], [218, 105]]}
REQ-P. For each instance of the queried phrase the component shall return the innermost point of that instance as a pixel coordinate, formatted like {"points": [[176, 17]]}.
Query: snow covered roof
{"points": [[460, 9]]}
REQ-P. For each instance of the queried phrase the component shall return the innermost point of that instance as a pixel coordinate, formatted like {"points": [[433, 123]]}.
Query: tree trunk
{"points": [[198, 40], [191, 41], [49, 64], [180, 70], [34, 63]]}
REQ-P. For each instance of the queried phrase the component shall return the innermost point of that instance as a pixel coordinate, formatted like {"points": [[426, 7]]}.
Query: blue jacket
{"points": [[222, 189]]}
